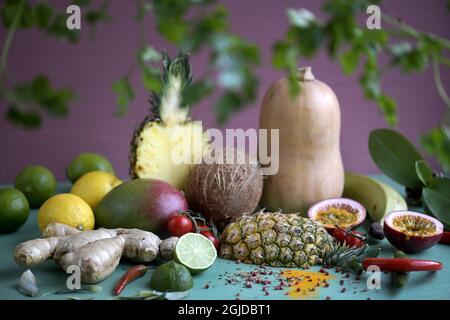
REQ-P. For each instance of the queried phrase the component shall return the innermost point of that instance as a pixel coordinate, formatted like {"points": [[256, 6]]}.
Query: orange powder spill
{"points": [[305, 284]]}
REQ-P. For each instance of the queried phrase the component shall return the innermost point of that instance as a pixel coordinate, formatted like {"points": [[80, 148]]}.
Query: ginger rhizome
{"points": [[96, 252]]}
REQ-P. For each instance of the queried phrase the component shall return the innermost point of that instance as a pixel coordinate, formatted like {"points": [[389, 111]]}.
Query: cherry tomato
{"points": [[339, 235], [179, 225], [210, 237], [201, 226], [354, 241]]}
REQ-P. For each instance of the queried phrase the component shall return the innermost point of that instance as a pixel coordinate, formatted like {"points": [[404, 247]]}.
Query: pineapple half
{"points": [[167, 143]]}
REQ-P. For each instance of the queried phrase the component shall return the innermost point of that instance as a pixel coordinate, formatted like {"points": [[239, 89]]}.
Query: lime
{"points": [[37, 183], [87, 162], [195, 252], [14, 209], [171, 277], [67, 209]]}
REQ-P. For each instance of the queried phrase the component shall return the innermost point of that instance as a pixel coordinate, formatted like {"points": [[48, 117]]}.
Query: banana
{"points": [[377, 197]]}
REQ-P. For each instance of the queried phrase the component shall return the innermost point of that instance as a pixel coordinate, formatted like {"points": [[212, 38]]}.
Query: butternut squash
{"points": [[310, 163]]}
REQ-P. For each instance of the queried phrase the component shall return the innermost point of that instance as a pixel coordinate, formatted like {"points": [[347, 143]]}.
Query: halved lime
{"points": [[195, 252]]}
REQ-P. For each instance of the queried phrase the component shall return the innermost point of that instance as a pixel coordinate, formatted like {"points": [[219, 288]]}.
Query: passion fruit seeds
{"points": [[340, 212], [412, 231]]}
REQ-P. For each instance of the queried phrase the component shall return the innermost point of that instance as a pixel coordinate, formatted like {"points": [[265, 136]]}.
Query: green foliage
{"points": [[358, 48], [437, 200], [203, 26], [343, 39], [437, 142], [395, 156], [28, 101], [424, 172], [398, 159], [231, 58], [125, 93]]}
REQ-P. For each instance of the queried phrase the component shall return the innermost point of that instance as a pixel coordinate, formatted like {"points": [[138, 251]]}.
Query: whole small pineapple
{"points": [[167, 143], [283, 240]]}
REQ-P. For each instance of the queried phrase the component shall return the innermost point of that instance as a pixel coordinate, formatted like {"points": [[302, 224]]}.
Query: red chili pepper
{"points": [[129, 276], [402, 265], [445, 238]]}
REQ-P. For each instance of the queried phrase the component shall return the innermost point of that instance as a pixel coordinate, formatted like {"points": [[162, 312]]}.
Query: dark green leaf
{"points": [[424, 172], [294, 84], [196, 92], [24, 92], [8, 12], [125, 94], [395, 156], [284, 56], [43, 15], [28, 120], [437, 199], [437, 143], [58, 29], [95, 16], [308, 40], [40, 87], [173, 30], [29, 17], [81, 3], [151, 79], [56, 102], [205, 28], [388, 108], [413, 60], [349, 61], [226, 105], [370, 82]]}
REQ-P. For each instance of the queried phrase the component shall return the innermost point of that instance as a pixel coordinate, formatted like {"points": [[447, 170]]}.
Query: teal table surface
{"points": [[215, 282]]}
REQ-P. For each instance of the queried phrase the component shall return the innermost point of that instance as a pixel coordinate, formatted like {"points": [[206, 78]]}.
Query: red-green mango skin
{"points": [[144, 204]]}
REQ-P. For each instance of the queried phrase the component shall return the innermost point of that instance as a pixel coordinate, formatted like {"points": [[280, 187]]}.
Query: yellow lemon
{"points": [[68, 209], [93, 186]]}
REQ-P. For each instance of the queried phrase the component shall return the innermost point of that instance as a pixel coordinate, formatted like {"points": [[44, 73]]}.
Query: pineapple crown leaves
{"points": [[167, 104], [349, 258]]}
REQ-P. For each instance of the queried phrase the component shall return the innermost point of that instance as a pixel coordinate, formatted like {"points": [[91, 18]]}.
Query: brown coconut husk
{"points": [[223, 192]]}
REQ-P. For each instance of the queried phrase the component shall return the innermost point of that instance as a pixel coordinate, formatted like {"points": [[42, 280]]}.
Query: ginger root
{"points": [[96, 252], [167, 248]]}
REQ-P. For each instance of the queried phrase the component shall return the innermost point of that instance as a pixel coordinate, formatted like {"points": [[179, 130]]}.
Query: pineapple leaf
{"points": [[346, 257], [167, 104]]}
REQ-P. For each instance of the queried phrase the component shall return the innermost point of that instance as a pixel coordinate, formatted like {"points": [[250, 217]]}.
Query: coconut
{"points": [[226, 189]]}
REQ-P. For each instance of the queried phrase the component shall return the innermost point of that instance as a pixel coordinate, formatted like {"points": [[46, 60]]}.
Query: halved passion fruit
{"points": [[411, 231], [342, 212]]}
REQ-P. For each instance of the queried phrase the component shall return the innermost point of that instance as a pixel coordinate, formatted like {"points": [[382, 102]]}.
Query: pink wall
{"points": [[91, 66]]}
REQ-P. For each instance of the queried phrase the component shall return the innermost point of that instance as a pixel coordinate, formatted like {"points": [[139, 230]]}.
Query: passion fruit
{"points": [[411, 231], [342, 212]]}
